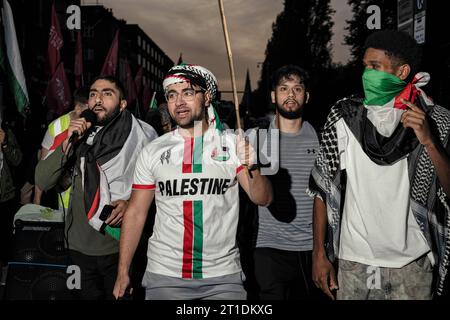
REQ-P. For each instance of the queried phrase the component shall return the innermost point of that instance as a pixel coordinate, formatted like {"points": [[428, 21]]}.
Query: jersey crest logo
{"points": [[220, 154], [165, 156]]}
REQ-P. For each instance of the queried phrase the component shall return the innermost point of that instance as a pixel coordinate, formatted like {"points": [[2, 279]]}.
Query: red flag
{"points": [[55, 42], [78, 67], [131, 87], [138, 80], [58, 91], [110, 64], [146, 96]]}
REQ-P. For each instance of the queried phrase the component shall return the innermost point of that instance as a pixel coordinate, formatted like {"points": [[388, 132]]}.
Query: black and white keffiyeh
{"points": [[196, 75], [428, 201]]}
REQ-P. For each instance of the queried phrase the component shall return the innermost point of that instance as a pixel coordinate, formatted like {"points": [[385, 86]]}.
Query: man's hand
{"points": [[416, 119], [245, 151], [122, 283], [116, 215], [2, 136], [78, 125], [323, 274]]}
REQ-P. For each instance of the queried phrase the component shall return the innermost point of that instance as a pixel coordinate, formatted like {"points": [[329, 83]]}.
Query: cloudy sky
{"points": [[194, 28]]}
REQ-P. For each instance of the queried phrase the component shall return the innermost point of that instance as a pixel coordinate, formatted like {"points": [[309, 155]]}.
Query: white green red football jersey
{"points": [[197, 200]]}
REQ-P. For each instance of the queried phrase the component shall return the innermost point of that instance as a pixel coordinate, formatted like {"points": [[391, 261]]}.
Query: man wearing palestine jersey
{"points": [[193, 173]]}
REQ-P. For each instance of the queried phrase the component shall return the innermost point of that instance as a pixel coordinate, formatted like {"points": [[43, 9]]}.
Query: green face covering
{"points": [[380, 87]]}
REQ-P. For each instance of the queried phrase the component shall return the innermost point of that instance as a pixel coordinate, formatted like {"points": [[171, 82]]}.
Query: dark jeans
{"points": [[98, 275], [284, 275]]}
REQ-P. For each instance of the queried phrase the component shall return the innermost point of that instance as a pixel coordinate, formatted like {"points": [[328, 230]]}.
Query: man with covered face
{"points": [[192, 172], [100, 158], [382, 183]]}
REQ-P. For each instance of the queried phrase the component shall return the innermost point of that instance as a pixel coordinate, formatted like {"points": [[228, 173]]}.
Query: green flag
{"points": [[11, 63]]}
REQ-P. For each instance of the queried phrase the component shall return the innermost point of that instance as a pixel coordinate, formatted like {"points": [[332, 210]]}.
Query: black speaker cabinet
{"points": [[37, 270]]}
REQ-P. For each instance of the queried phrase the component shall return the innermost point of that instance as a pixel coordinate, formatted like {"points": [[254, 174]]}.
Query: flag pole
{"points": [[230, 63], [233, 78]]}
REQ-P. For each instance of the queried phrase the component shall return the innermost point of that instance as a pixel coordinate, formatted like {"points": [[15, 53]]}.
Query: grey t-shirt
{"points": [[287, 223]]}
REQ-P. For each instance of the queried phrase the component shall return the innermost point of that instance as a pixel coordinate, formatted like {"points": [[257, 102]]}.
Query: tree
{"points": [[357, 27], [301, 35]]}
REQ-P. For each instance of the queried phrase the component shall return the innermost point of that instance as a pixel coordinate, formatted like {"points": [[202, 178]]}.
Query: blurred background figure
{"points": [[10, 156], [160, 119]]}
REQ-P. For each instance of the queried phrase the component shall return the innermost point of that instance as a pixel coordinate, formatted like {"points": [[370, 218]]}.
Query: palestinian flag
{"points": [[11, 63], [385, 113]]}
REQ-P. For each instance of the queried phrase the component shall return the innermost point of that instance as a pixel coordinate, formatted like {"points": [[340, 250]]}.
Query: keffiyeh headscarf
{"points": [[200, 76], [194, 74]]}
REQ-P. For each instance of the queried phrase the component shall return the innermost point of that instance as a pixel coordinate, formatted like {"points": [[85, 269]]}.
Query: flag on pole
{"points": [[55, 42], [78, 66], [110, 64], [58, 91], [11, 62], [153, 104], [131, 86]]}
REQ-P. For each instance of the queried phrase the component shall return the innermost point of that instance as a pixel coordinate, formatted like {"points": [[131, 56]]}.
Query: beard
{"points": [[109, 116], [291, 115], [191, 122]]}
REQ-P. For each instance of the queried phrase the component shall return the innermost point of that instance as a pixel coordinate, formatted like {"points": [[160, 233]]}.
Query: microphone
{"points": [[90, 117]]}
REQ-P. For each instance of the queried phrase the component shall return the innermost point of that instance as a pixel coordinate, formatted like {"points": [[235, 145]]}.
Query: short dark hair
{"points": [[399, 46], [287, 72], [114, 80], [81, 95]]}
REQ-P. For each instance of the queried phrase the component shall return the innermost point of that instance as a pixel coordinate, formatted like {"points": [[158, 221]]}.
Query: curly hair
{"points": [[399, 46]]}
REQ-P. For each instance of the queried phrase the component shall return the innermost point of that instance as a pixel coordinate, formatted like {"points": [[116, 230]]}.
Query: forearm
{"points": [[132, 226], [441, 162], [320, 221], [37, 195], [260, 188], [49, 170]]}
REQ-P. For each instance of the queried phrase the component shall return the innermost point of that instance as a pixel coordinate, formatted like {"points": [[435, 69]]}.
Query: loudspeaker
{"points": [[39, 242], [29, 281], [37, 270]]}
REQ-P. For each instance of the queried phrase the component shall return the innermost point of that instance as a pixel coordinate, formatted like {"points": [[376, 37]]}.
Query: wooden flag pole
{"points": [[233, 78], [230, 63]]}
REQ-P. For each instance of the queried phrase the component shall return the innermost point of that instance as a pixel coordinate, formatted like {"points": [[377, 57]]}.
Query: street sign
{"points": [[420, 11], [419, 27]]}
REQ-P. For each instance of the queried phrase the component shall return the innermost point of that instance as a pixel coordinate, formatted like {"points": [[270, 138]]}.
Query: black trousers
{"points": [[7, 211], [284, 275], [98, 275]]}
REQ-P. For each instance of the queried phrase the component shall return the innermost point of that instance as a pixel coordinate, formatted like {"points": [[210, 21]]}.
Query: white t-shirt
{"points": [[197, 200], [378, 227]]}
